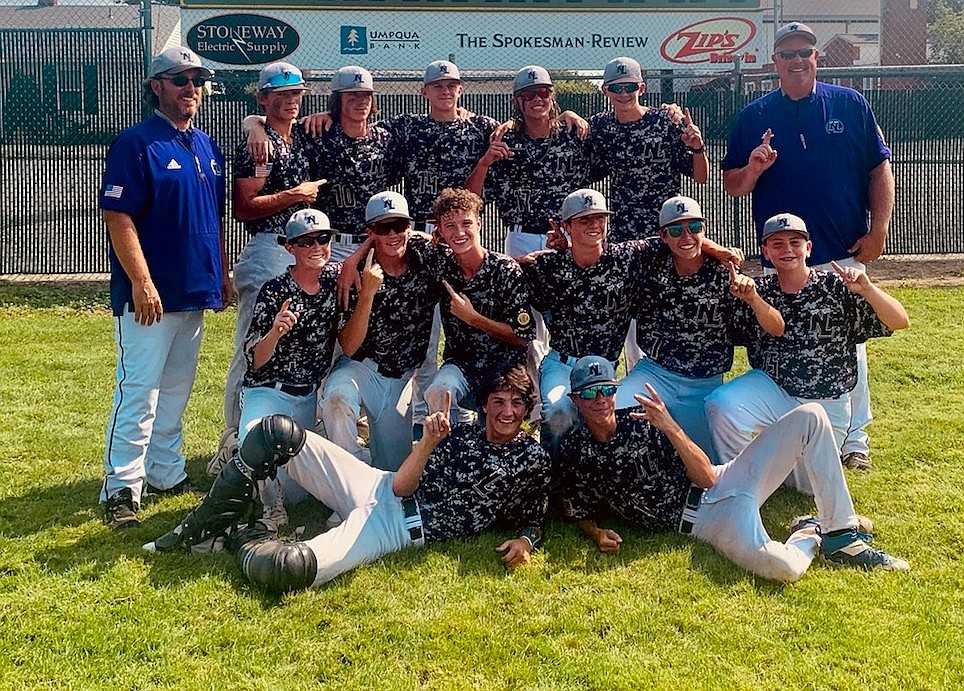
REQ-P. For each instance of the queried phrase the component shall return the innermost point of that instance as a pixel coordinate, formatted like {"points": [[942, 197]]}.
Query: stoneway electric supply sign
{"points": [[477, 34]]}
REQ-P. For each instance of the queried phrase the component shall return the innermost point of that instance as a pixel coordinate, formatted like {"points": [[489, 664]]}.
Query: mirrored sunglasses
{"points": [[591, 393], [309, 240], [623, 88], [181, 80], [675, 230], [543, 92], [791, 54]]}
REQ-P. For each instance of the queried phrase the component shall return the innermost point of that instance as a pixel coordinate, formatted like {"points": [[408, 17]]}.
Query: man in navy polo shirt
{"points": [[815, 150], [163, 202]]}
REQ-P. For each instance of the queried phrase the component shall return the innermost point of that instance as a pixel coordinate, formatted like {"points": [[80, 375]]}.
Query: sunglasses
{"points": [[622, 88], [591, 393], [399, 226], [677, 229], [791, 54], [309, 240], [541, 92], [181, 80]]}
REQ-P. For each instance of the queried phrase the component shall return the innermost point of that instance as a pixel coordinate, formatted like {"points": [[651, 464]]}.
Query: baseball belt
{"points": [[413, 519], [689, 517], [291, 389]]}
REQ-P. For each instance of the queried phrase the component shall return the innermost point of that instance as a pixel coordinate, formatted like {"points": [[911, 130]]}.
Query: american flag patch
{"points": [[262, 171], [114, 191]]}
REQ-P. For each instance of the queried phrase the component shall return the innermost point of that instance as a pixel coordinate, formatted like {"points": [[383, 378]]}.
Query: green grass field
{"points": [[82, 607]]}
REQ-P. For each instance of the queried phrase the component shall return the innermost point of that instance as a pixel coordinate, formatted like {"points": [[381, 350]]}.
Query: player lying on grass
{"points": [[638, 465], [453, 484]]}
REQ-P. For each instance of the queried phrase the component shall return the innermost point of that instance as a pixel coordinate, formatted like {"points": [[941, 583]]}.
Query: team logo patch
{"points": [[173, 165], [835, 126], [594, 369], [588, 201], [680, 208], [523, 319], [388, 205], [783, 222]]}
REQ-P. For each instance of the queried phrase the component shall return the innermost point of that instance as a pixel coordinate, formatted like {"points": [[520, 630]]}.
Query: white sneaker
{"points": [[227, 447]]}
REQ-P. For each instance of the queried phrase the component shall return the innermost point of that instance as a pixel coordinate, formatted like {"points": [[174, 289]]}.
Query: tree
{"points": [[947, 32]]}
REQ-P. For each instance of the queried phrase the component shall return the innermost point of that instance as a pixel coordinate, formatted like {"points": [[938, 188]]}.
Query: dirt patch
{"points": [[923, 270]]}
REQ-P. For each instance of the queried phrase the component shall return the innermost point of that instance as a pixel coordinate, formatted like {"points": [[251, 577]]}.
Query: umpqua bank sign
{"points": [[243, 39]]}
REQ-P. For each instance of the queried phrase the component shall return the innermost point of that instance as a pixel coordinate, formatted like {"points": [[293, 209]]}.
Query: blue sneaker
{"points": [[849, 549]]}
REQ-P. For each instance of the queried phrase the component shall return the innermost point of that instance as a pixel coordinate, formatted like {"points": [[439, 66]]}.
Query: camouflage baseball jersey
{"points": [[644, 160], [816, 357], [470, 484], [289, 166], [587, 311], [636, 475], [685, 323], [529, 188], [303, 355], [498, 291], [401, 318], [437, 155], [356, 169]]}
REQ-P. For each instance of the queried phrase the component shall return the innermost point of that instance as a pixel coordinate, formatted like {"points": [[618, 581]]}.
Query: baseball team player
{"points": [[486, 313], [384, 339], [687, 311], [643, 151], [291, 339], [265, 196], [453, 484], [358, 157], [586, 294], [163, 202], [815, 150], [529, 170], [826, 316], [637, 465]]}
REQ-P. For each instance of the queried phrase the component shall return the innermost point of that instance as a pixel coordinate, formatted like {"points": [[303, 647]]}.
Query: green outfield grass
{"points": [[82, 607]]}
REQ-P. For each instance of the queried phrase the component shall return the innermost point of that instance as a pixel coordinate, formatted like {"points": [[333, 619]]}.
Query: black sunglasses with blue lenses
{"points": [[629, 88], [181, 80], [591, 393], [791, 54], [676, 230]]}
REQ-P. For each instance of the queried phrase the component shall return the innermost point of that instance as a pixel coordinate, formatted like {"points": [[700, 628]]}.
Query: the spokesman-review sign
{"points": [[478, 34]]}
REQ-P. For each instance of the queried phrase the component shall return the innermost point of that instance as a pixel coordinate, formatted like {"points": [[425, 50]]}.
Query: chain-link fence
{"points": [[65, 91]]}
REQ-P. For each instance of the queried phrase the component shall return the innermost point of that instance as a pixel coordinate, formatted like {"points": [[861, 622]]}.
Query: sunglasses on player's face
{"points": [[543, 92], [398, 225], [591, 393], [180, 80], [791, 54], [676, 230], [309, 240], [622, 88]]}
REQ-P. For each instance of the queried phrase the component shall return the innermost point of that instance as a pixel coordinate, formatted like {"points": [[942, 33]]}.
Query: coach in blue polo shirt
{"points": [[815, 150], [163, 202]]}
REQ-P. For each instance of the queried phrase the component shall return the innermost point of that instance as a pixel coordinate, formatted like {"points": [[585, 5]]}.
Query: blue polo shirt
{"points": [[827, 144], [172, 185]]}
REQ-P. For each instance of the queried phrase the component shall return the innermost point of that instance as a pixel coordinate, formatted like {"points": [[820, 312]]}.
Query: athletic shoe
{"points": [[183, 487], [227, 447], [849, 549], [865, 526], [120, 511], [856, 460]]}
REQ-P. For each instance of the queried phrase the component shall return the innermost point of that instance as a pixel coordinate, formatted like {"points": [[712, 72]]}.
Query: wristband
{"points": [[531, 535], [700, 150]]}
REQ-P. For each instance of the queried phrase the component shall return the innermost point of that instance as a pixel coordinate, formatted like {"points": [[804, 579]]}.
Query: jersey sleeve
{"points": [[266, 308], [578, 495], [864, 322], [126, 180]]}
